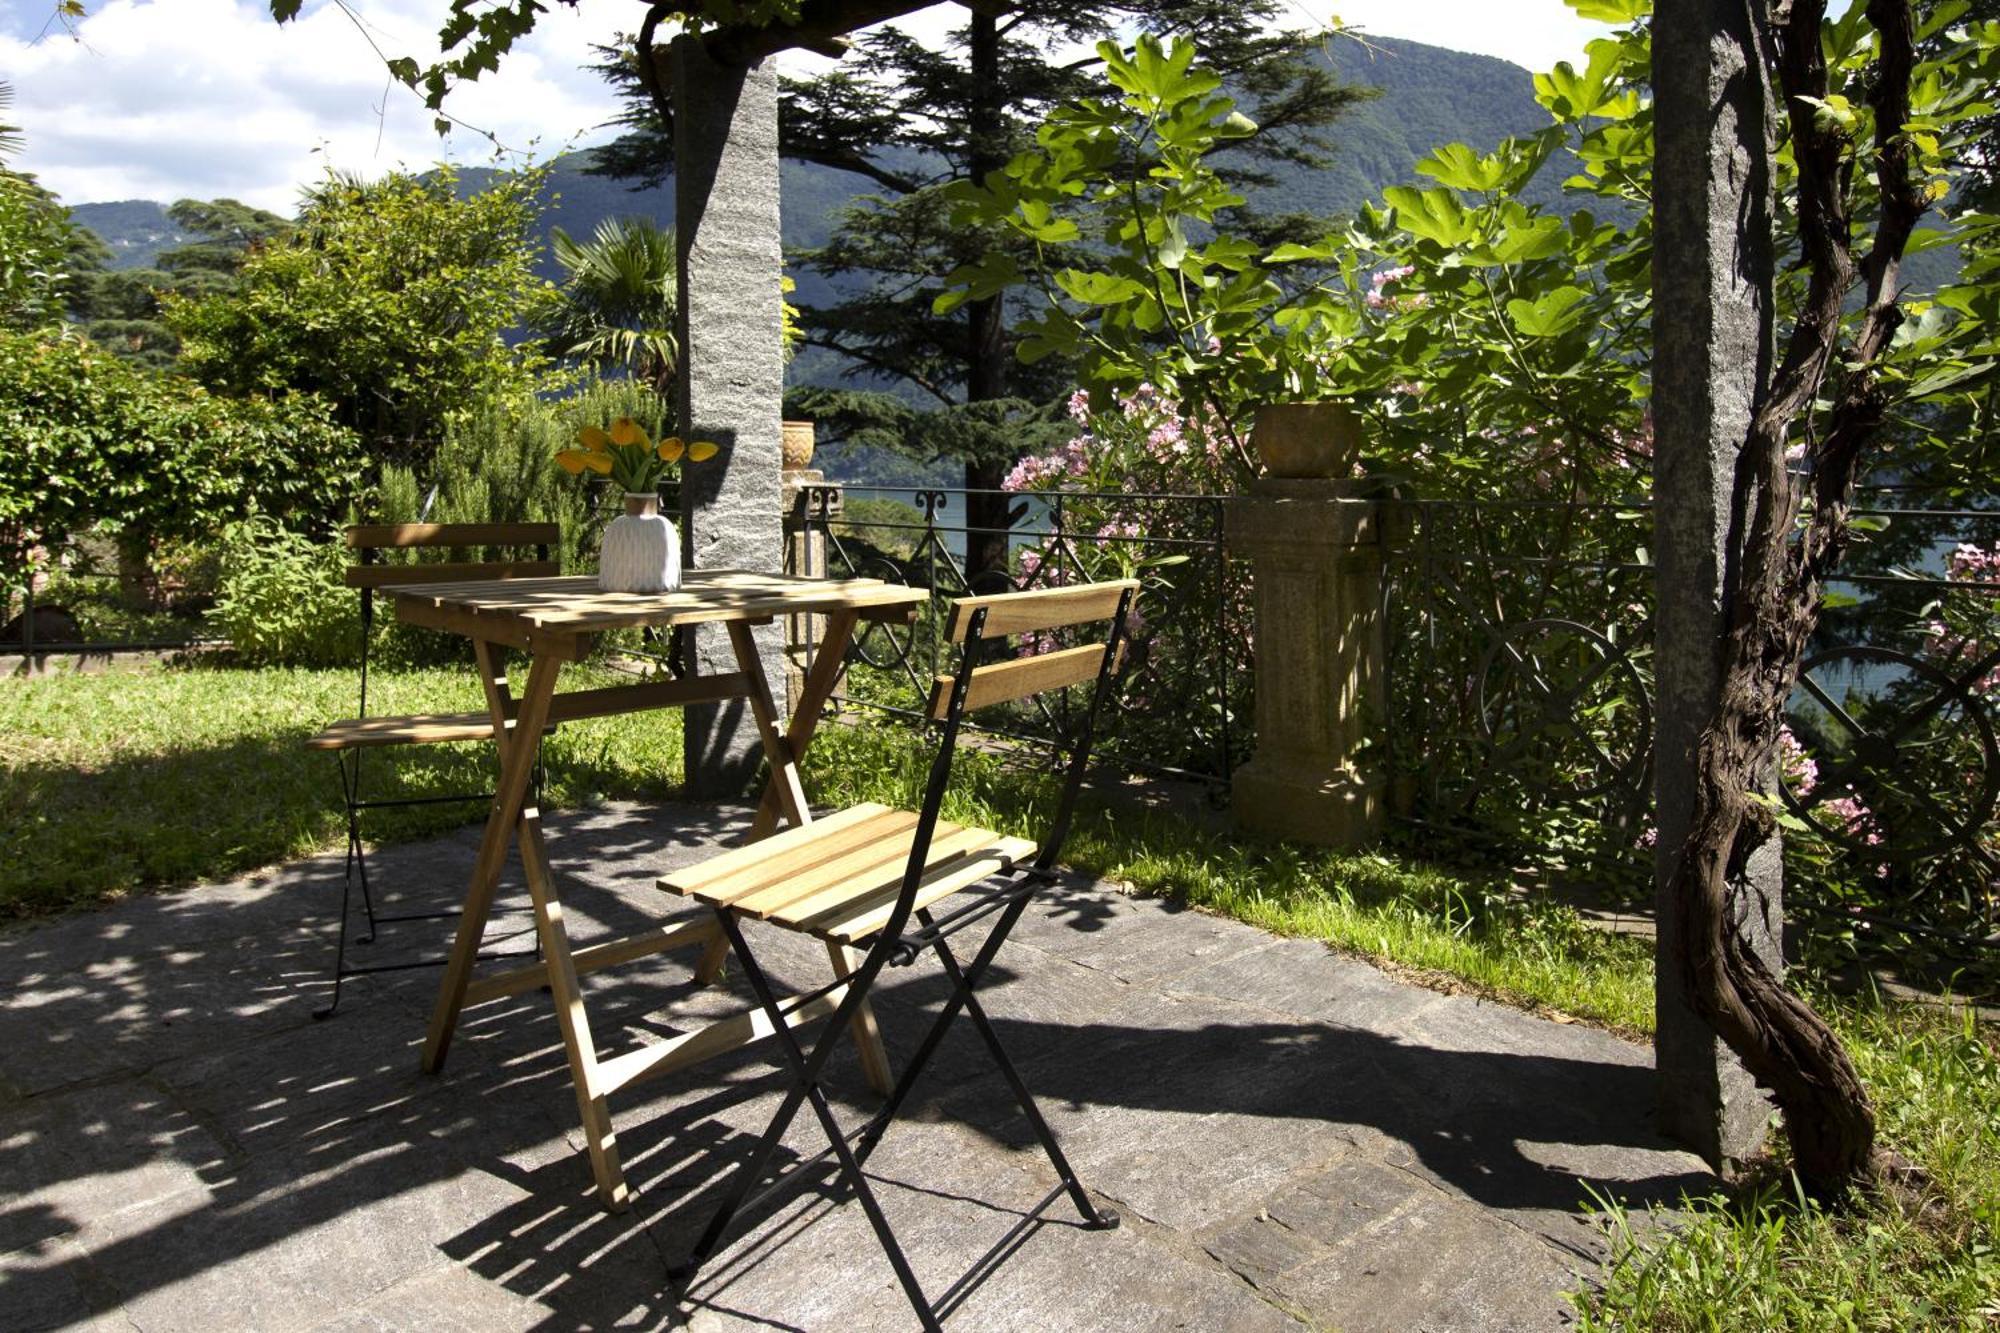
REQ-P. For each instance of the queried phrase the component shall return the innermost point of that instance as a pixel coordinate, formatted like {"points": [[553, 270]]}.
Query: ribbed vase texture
{"points": [[642, 551]]}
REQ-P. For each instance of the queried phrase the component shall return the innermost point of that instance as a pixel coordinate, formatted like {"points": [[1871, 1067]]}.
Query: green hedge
{"points": [[91, 439]]}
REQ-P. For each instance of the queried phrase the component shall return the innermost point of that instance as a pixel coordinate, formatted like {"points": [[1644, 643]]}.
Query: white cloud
{"points": [[1532, 33], [165, 99], [170, 98]]}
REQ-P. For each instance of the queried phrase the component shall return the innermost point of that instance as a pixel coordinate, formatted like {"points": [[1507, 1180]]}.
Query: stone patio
{"points": [[1295, 1139]]}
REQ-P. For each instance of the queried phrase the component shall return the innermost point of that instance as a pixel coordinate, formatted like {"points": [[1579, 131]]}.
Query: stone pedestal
{"points": [[732, 373], [809, 500], [1315, 551]]}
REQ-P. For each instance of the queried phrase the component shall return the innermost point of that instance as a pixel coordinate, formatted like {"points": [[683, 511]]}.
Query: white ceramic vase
{"points": [[642, 551]]}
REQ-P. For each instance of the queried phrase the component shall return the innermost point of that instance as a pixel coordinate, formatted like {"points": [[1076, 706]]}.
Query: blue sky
{"points": [[167, 99]]}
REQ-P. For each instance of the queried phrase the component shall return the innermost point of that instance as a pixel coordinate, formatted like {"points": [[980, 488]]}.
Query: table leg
{"points": [[778, 752], [867, 1035], [493, 679], [570, 1015], [517, 764], [821, 677], [820, 680]]}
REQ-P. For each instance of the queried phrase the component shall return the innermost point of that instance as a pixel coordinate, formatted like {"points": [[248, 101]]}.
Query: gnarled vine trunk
{"points": [[1787, 1046]]}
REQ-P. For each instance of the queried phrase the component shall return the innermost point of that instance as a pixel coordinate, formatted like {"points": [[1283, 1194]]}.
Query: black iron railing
{"points": [[1520, 676], [1893, 759], [1185, 685], [1521, 704]]}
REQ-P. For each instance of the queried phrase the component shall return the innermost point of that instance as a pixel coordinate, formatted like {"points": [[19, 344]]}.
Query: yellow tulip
{"points": [[626, 431], [571, 461], [671, 448], [702, 450], [593, 439]]}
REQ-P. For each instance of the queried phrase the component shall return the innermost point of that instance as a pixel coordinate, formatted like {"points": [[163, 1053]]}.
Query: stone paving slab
{"points": [[1294, 1139]]}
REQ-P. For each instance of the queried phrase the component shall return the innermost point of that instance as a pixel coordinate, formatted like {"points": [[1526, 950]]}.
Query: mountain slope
{"points": [[1429, 96]]}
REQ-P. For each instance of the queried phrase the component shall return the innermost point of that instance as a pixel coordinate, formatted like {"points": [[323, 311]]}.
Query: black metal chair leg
{"points": [[754, 1166], [1094, 1218], [340, 941], [807, 1075], [360, 851], [928, 1046]]}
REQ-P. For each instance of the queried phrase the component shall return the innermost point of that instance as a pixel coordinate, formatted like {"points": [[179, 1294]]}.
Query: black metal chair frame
{"points": [[356, 867], [892, 947]]}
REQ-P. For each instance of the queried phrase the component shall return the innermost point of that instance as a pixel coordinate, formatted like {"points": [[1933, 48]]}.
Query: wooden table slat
{"points": [[575, 605]]}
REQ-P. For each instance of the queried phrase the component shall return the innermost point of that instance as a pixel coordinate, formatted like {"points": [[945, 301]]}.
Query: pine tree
{"points": [[119, 308], [912, 119]]}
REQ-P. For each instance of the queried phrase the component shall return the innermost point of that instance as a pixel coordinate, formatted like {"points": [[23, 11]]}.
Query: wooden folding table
{"points": [[555, 621]]}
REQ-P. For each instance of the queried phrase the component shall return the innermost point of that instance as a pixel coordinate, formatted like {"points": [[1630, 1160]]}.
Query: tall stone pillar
{"points": [[1712, 341], [732, 374], [1315, 552]]}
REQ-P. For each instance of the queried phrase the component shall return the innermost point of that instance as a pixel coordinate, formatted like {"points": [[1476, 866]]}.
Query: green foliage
{"points": [[282, 602], [1498, 343], [389, 299], [120, 308], [36, 241], [34, 253], [616, 305], [497, 465], [1500, 314], [1162, 290], [1766, 1258], [95, 441]]}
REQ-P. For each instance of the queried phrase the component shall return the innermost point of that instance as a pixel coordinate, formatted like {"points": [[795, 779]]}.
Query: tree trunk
{"points": [[1775, 605], [986, 343]]}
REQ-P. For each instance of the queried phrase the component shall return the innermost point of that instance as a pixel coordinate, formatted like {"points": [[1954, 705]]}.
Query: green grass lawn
{"points": [[1762, 1257], [120, 781]]}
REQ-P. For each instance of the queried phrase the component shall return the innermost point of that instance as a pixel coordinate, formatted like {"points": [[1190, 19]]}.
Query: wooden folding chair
{"points": [[347, 739], [875, 877]]}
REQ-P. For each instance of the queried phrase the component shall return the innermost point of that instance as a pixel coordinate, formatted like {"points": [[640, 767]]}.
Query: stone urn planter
{"points": [[798, 445], [642, 549], [1307, 439]]}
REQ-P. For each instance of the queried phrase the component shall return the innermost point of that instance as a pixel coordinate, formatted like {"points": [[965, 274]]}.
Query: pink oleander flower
{"points": [[1858, 819], [1375, 298], [1796, 764]]}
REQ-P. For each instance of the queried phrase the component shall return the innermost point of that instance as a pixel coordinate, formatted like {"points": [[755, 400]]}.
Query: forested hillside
{"points": [[1428, 96]]}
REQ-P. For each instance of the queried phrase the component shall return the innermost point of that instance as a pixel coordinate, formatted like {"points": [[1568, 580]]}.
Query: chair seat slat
{"points": [[868, 916], [838, 858], [691, 878], [950, 842], [406, 729]]}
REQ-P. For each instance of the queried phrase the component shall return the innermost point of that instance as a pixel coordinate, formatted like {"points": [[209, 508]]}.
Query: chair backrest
{"points": [[979, 682], [369, 540]]}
